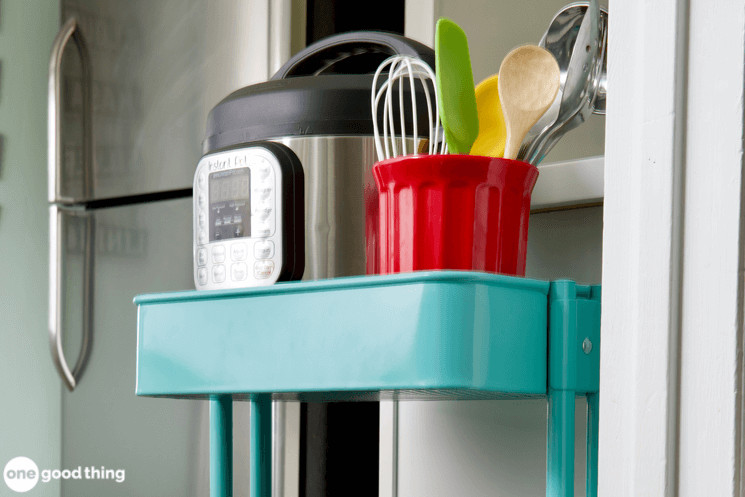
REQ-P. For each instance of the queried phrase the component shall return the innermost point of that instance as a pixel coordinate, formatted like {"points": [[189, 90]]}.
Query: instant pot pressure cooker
{"points": [[318, 105]]}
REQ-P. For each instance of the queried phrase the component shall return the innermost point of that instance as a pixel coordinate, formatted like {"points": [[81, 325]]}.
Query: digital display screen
{"points": [[230, 204], [230, 185]]}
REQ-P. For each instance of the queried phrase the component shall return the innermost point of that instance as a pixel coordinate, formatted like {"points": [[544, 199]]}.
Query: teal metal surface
{"points": [[221, 446], [560, 446], [574, 337], [442, 334], [261, 446], [573, 369], [443, 330], [593, 419]]}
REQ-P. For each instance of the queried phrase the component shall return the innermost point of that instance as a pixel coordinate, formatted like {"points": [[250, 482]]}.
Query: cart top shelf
{"points": [[440, 334]]}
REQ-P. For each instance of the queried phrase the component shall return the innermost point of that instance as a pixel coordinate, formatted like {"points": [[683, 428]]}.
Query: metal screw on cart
{"points": [[587, 346]]}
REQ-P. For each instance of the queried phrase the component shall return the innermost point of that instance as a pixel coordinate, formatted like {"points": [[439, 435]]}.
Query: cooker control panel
{"points": [[248, 217]]}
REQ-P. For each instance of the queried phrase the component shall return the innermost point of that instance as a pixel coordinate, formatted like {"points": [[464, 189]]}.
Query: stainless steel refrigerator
{"points": [[130, 87]]}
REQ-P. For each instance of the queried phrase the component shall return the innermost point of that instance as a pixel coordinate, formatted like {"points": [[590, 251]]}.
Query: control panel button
{"points": [[264, 249], [202, 179], [262, 230], [218, 273], [218, 253], [238, 271], [202, 200], [238, 252], [202, 257], [264, 192], [202, 219], [263, 269], [202, 237], [264, 171], [202, 275], [263, 212]]}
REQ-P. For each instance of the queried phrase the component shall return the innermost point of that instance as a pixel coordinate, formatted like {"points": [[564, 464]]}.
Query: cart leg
{"points": [[261, 446], [221, 446], [560, 460], [593, 403]]}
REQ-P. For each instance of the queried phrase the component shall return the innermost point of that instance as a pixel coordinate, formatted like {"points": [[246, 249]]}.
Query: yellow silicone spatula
{"points": [[528, 83], [492, 131]]}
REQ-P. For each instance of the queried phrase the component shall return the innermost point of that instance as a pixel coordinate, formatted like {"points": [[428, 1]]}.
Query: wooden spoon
{"points": [[528, 83]]}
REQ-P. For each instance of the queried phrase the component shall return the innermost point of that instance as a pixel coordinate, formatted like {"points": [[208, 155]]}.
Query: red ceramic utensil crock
{"points": [[450, 212]]}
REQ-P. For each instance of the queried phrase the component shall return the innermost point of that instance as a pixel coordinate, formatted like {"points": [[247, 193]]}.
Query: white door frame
{"points": [[671, 360]]}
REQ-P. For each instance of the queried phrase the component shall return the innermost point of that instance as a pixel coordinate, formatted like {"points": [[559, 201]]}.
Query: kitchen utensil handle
{"points": [[70, 30], [544, 144]]}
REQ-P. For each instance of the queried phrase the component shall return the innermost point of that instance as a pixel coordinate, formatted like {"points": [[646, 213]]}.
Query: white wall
{"points": [[29, 389]]}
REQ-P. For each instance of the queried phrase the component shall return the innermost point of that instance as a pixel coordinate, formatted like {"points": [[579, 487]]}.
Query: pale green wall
{"points": [[29, 388]]}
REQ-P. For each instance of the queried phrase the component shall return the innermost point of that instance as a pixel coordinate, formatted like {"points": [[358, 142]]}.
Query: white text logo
{"points": [[21, 474]]}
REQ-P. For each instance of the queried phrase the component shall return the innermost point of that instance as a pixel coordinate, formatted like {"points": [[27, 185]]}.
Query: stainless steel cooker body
{"points": [[339, 188], [338, 182]]}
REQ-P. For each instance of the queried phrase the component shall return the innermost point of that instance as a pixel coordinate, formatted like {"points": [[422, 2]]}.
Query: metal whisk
{"points": [[400, 69]]}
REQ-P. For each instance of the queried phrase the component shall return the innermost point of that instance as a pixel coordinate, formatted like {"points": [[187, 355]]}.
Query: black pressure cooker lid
{"points": [[323, 90]]}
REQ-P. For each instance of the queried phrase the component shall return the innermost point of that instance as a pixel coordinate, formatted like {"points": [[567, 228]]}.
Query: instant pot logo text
{"points": [[235, 159], [21, 474], [216, 165]]}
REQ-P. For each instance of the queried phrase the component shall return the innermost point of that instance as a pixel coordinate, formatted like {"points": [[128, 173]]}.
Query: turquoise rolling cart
{"points": [[440, 334]]}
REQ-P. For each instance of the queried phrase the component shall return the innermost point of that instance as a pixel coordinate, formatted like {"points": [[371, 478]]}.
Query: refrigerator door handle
{"points": [[70, 378], [70, 30]]}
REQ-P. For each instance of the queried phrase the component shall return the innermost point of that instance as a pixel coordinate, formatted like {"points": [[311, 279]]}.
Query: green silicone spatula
{"points": [[455, 91]]}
